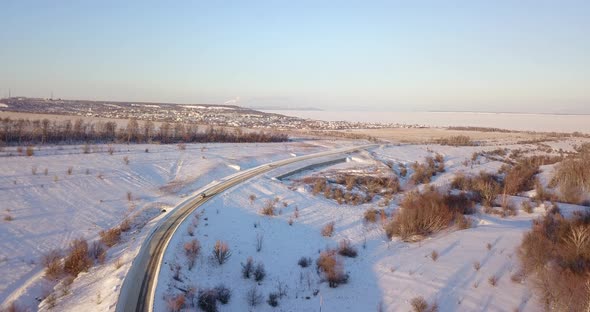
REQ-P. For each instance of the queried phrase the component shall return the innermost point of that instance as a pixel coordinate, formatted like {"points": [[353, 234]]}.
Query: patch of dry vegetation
{"points": [[556, 255], [425, 213], [328, 229], [354, 189], [484, 187], [573, 176], [332, 268], [458, 140], [110, 237], [269, 208], [419, 304], [78, 259], [520, 178], [423, 173], [371, 215]]}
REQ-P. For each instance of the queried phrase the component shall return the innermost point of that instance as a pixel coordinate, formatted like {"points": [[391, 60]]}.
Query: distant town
{"points": [[209, 114]]}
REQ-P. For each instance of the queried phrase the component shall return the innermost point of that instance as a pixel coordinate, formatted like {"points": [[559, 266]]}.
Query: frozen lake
{"points": [[513, 121]]}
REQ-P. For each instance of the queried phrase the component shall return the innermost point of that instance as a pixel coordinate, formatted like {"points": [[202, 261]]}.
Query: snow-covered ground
{"points": [[387, 274], [50, 209], [48, 206]]}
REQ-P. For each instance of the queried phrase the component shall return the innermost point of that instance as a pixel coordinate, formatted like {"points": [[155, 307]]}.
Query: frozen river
{"points": [[513, 121]]}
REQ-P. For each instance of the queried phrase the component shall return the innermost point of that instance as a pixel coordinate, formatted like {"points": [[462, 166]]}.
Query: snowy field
{"points": [[385, 276], [60, 194]]}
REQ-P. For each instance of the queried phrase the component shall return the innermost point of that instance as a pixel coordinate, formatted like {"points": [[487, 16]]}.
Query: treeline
{"points": [[26, 132]]}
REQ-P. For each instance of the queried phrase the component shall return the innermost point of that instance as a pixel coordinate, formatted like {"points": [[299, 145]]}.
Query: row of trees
{"points": [[25, 131]]}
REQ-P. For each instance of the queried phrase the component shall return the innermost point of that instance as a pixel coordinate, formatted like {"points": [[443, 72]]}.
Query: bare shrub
{"points": [[221, 252], [350, 181], [403, 170], [573, 177], [485, 186], [77, 260], [304, 262], [434, 255], [319, 186], [253, 297], [8, 218], [328, 229], [457, 140], [86, 149], [273, 299], [460, 203], [507, 207], [520, 178], [125, 225], [110, 237], [421, 214], [419, 304], [70, 170], [191, 250], [259, 241], [247, 268], [371, 215], [493, 280], [259, 272], [176, 303], [461, 182], [207, 300], [223, 293], [126, 160], [34, 170], [252, 198], [346, 249], [423, 173], [181, 146], [462, 222], [476, 265], [269, 208], [30, 151], [129, 196], [52, 263], [176, 271], [556, 254], [332, 268], [526, 206]]}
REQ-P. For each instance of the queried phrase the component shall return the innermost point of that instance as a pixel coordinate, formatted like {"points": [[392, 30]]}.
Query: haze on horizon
{"points": [[508, 56]]}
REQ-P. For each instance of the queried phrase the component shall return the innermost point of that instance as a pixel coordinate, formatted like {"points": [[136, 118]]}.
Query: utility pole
{"points": [[9, 93]]}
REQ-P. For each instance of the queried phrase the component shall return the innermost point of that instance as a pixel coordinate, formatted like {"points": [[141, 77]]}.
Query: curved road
{"points": [[138, 289]]}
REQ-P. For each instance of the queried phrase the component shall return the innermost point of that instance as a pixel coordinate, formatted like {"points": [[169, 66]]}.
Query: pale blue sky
{"points": [[385, 55]]}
